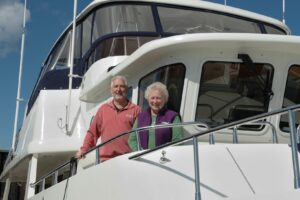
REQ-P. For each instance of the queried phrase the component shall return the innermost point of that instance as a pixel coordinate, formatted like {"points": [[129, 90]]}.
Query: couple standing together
{"points": [[120, 115]]}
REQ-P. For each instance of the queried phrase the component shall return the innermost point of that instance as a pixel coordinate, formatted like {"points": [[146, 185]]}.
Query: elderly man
{"points": [[112, 118]]}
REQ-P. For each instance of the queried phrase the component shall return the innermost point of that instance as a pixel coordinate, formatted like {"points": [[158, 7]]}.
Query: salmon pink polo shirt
{"points": [[110, 122]]}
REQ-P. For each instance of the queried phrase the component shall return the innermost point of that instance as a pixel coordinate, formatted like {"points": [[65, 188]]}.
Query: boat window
{"points": [[273, 30], [123, 18], [86, 33], [60, 55], [173, 77], [291, 95], [77, 49], [195, 21], [233, 91], [116, 46]]}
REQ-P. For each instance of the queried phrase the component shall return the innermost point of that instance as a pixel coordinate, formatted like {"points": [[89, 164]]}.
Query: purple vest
{"points": [[162, 135]]}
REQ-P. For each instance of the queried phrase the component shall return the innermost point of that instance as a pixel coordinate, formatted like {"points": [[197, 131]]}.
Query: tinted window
{"points": [[173, 77], [123, 18], [273, 30], [86, 33], [232, 91], [116, 46], [177, 20], [291, 95]]}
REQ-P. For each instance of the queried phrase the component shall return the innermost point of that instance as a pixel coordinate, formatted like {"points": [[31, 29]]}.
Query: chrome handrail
{"points": [[196, 169], [274, 133], [233, 125], [211, 131], [141, 129], [53, 172], [293, 136], [221, 127], [234, 135], [74, 159]]}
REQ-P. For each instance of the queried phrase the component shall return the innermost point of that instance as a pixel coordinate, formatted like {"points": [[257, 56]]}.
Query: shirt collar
{"points": [[112, 105]]}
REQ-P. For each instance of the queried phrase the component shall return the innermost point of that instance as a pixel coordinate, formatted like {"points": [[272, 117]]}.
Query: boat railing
{"points": [[294, 140], [137, 130], [205, 130], [72, 163]]}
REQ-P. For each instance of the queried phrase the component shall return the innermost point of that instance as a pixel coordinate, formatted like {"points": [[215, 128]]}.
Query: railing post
{"points": [[235, 137], [298, 136], [97, 156], [293, 138], [274, 134], [43, 184], [73, 166], [211, 138], [55, 177], [196, 168], [138, 141]]}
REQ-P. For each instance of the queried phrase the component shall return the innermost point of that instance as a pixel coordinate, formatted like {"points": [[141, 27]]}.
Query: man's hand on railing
{"points": [[80, 154]]}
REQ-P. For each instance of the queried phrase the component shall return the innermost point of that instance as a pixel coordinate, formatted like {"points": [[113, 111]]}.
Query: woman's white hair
{"points": [[160, 87], [123, 78]]}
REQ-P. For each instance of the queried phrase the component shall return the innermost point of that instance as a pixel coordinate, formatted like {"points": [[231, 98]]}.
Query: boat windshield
{"points": [[233, 91], [176, 20], [291, 95], [119, 29]]}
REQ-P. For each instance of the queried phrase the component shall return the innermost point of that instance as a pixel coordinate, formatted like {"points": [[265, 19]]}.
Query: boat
{"points": [[232, 75]]}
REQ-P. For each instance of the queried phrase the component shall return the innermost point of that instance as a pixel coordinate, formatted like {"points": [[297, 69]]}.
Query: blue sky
{"points": [[46, 21]]}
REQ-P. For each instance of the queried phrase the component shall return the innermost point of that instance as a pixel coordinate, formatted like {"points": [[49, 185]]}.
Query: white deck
{"points": [[226, 171]]}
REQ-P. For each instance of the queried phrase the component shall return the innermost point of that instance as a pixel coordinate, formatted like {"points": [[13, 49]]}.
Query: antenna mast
{"points": [[67, 126], [283, 11], [18, 99]]}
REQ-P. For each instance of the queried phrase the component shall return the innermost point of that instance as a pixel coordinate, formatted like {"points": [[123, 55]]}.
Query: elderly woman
{"points": [[157, 96]]}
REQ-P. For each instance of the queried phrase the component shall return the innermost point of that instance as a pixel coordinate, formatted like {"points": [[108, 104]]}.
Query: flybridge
{"points": [[132, 26]]}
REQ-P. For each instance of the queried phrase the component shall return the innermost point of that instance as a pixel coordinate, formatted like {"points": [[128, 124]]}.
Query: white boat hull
{"points": [[231, 171]]}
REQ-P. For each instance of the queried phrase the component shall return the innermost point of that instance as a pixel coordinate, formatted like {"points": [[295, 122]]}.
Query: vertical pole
{"points": [[97, 156], [6, 189], [31, 176], [235, 137], [211, 138], [18, 99], [293, 136], [71, 67], [283, 11], [196, 168], [274, 138], [55, 177], [139, 147], [225, 2]]}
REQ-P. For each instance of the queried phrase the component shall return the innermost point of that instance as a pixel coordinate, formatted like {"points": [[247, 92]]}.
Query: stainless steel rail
{"points": [[252, 119], [293, 136], [73, 160], [135, 131], [235, 134], [55, 172], [233, 125]]}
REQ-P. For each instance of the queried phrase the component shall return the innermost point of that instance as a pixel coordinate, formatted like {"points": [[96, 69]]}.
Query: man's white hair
{"points": [[123, 78]]}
